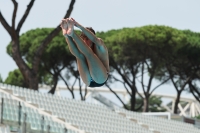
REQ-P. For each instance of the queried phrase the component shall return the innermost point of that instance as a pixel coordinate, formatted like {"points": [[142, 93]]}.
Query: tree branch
{"points": [[5, 24], [14, 14], [186, 82], [139, 94], [159, 85], [116, 96], [118, 70], [124, 71], [134, 77], [80, 88], [147, 64], [85, 92], [142, 78], [139, 107], [48, 39], [73, 85], [150, 80], [30, 5], [116, 79], [192, 89], [67, 86], [46, 68], [123, 84], [196, 97], [171, 77], [126, 89], [55, 82]]}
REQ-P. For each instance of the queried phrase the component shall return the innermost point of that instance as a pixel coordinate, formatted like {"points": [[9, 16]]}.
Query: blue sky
{"points": [[102, 15]]}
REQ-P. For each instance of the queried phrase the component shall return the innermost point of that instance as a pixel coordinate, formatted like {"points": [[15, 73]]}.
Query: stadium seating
{"points": [[4, 129], [60, 113], [81, 115], [158, 123]]}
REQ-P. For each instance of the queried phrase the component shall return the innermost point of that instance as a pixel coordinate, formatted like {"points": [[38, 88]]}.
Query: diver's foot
{"points": [[64, 26], [70, 30]]}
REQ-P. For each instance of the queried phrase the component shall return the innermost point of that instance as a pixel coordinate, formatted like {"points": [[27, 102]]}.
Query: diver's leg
{"points": [[97, 70]]}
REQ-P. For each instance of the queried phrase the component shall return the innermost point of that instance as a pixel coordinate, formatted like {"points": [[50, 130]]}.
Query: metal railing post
{"points": [[48, 129], [19, 114], [65, 130], [2, 103], [24, 123], [42, 125]]}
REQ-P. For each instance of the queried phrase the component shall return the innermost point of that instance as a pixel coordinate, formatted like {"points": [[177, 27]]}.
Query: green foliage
{"points": [[154, 104], [15, 78], [56, 50], [160, 45], [157, 47], [164, 48], [191, 50], [129, 43], [107, 34], [197, 117], [1, 79], [55, 57]]}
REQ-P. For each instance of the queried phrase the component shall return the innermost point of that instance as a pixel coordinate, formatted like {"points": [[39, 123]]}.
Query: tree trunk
{"points": [[133, 100], [177, 102], [33, 84], [146, 104], [55, 80], [29, 76]]}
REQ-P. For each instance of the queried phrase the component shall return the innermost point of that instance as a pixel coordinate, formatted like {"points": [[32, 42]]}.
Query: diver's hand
{"points": [[75, 23]]}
